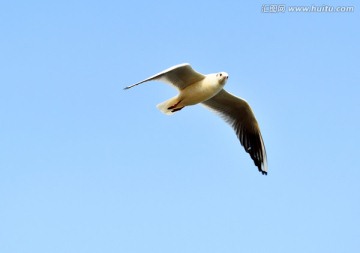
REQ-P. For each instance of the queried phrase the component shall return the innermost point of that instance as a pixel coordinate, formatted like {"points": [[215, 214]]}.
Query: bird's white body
{"points": [[202, 90], [195, 93]]}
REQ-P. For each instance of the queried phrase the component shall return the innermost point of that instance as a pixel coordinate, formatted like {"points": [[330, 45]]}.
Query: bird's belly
{"points": [[198, 93]]}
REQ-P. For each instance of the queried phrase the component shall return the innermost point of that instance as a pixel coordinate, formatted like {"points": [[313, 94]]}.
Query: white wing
{"points": [[239, 115], [180, 76]]}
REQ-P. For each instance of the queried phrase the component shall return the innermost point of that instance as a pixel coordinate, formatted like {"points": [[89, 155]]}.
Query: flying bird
{"points": [[195, 88]]}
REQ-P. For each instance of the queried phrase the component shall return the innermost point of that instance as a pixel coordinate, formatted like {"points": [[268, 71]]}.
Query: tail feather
{"points": [[163, 107]]}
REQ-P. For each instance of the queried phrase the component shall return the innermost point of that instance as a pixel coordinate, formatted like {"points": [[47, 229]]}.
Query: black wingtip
{"points": [[262, 171]]}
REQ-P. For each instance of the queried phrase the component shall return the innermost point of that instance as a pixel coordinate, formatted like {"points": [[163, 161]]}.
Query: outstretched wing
{"points": [[180, 76], [239, 115]]}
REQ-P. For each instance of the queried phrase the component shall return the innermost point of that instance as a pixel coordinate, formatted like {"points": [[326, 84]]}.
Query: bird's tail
{"points": [[169, 106]]}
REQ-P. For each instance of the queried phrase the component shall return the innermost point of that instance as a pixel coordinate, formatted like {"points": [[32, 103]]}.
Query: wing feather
{"points": [[180, 76], [239, 115]]}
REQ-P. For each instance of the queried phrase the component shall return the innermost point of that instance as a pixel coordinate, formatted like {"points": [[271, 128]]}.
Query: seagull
{"points": [[195, 88]]}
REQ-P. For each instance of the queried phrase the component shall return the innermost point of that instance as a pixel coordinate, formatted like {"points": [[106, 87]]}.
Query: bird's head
{"points": [[222, 77]]}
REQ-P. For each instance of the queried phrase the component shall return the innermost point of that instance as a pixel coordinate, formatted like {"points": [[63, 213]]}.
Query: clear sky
{"points": [[88, 167]]}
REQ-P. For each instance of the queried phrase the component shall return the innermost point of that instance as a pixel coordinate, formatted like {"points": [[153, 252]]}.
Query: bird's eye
{"points": [[220, 74]]}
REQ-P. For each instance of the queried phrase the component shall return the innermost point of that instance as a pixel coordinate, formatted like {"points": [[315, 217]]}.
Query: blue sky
{"points": [[88, 167]]}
